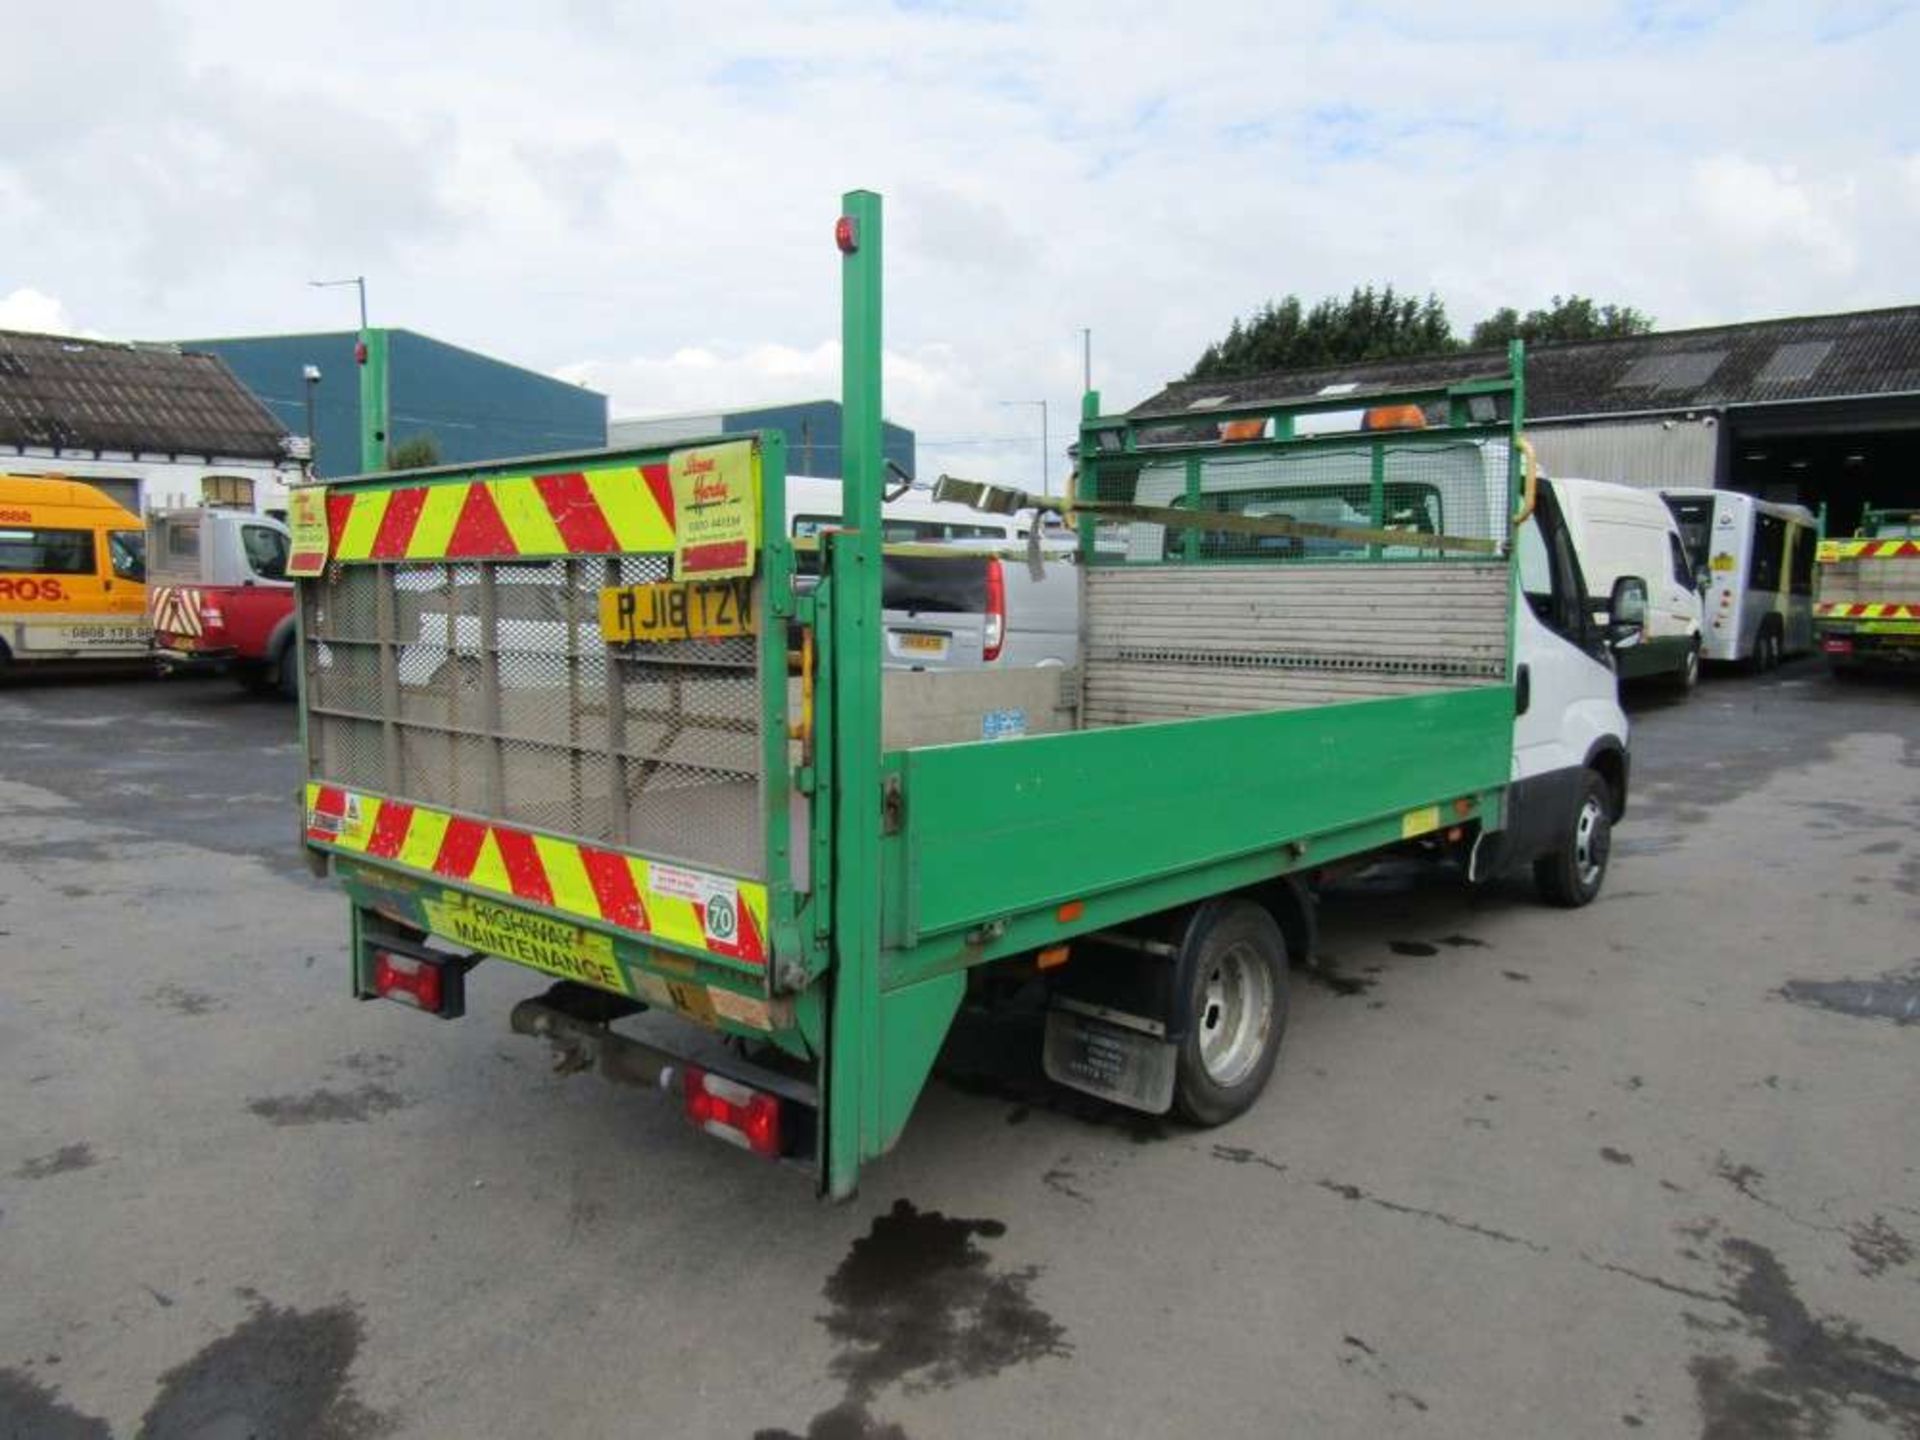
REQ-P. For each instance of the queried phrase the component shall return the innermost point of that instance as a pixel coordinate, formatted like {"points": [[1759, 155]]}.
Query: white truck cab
{"points": [[1570, 767]]}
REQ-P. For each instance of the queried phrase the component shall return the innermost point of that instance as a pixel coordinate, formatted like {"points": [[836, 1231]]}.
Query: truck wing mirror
{"points": [[1627, 610]]}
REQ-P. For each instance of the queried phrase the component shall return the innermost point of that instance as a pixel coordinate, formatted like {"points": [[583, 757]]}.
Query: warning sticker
{"points": [[554, 946], [349, 827], [716, 510], [717, 898], [307, 519]]}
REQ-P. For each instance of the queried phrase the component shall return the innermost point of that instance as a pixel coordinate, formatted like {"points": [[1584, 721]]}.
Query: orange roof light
{"points": [[1395, 417]]}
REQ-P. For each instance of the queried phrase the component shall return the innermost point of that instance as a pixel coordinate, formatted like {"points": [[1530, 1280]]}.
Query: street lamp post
{"points": [[1046, 444], [359, 282], [311, 375], [370, 355]]}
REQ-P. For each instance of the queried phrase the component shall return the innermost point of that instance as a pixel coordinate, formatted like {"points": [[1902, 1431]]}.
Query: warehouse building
{"points": [[472, 406], [812, 428], [1819, 409], [148, 425]]}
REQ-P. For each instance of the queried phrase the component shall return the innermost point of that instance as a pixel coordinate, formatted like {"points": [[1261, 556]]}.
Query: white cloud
{"points": [[28, 309]]}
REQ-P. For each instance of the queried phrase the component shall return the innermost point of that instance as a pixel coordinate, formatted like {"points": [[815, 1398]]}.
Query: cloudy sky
{"points": [[640, 197]]}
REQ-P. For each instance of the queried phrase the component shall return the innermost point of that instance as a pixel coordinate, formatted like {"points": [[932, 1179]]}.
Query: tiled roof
{"points": [[1812, 357], [88, 395]]}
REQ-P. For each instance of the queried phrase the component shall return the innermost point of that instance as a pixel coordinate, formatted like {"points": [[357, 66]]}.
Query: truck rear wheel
{"points": [[1234, 967], [285, 678], [1572, 872]]}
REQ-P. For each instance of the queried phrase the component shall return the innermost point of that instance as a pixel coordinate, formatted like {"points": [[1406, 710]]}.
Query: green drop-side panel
{"points": [[997, 828]]}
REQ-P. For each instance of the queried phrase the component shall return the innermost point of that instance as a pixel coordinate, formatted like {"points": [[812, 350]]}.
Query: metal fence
{"points": [[486, 687]]}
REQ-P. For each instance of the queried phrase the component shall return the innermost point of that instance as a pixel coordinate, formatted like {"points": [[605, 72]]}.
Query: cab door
{"points": [[255, 551], [123, 579]]}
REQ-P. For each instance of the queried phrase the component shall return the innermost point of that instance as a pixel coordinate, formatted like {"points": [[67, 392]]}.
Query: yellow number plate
{"points": [[931, 644], [689, 610]]}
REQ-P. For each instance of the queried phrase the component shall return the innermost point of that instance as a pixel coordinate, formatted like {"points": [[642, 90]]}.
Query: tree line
{"points": [[1382, 324]]}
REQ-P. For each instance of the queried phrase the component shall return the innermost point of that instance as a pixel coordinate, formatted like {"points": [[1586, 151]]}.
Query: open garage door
{"points": [[1843, 454]]}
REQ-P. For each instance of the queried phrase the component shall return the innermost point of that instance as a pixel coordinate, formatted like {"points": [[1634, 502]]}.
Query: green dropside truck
{"points": [[580, 714]]}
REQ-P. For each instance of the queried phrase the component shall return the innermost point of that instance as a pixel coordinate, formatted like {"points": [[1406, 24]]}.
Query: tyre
{"points": [[1572, 873], [1235, 963], [1762, 659], [286, 676], [1687, 678]]}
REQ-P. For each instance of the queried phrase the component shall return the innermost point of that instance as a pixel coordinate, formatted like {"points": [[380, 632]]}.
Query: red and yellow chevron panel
{"points": [[1831, 550], [174, 610], [609, 509], [689, 908], [1890, 610]]}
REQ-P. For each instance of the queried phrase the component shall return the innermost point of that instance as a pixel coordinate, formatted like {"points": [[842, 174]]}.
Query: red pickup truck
{"points": [[218, 595]]}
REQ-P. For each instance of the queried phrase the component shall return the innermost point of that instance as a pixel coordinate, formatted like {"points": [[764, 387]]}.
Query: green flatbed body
{"points": [[871, 880]]}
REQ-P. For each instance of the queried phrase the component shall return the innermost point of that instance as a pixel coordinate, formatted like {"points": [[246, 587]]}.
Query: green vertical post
{"points": [[373, 400], [853, 1123]]}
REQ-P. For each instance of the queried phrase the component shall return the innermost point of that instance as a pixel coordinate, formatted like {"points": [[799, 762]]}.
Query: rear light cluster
{"points": [[435, 986], [734, 1112], [1837, 645], [996, 635]]}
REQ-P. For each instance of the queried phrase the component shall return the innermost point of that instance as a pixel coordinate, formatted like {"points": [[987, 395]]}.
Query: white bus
{"points": [[1755, 560]]}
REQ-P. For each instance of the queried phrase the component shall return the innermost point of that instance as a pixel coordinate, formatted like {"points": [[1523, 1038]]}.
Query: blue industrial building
{"points": [[812, 428], [474, 407]]}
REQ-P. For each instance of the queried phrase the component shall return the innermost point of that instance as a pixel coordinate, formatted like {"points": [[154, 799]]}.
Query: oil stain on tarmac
{"points": [[918, 1303], [280, 1372], [1813, 1368], [327, 1107], [1894, 996]]}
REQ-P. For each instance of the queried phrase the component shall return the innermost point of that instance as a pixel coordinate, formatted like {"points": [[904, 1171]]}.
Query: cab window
{"points": [[127, 552], [1682, 571], [266, 551], [46, 552], [1550, 576]]}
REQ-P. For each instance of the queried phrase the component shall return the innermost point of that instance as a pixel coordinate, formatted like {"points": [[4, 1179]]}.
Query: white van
{"points": [[958, 592], [1757, 557], [1619, 530]]}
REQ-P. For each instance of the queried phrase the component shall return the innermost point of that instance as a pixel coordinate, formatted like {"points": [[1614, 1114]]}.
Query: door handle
{"points": [[1522, 690]]}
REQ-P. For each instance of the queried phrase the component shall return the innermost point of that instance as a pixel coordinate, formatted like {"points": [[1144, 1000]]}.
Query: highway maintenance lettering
{"points": [[513, 934]]}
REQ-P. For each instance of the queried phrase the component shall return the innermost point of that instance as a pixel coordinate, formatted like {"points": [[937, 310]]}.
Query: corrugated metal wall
{"points": [[812, 429], [476, 407], [1646, 453]]}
